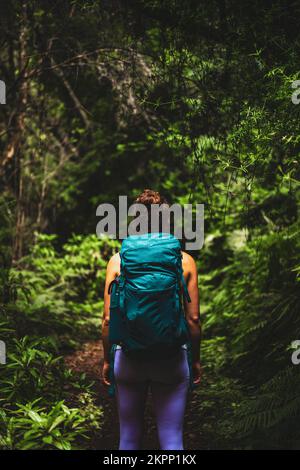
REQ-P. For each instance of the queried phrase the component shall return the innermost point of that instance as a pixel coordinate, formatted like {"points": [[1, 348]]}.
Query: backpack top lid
{"points": [[143, 255], [147, 235], [150, 239]]}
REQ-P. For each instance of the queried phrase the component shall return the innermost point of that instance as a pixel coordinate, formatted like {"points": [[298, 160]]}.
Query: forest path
{"points": [[89, 360]]}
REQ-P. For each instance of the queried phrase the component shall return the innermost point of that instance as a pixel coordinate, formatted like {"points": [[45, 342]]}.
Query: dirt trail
{"points": [[89, 360]]}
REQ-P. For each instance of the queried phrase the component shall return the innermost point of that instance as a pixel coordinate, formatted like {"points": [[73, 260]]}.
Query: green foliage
{"points": [[64, 289], [34, 369], [31, 426], [194, 100], [49, 302], [256, 307]]}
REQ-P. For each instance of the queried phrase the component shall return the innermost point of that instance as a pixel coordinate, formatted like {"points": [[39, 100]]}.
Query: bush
{"points": [[31, 426], [50, 301]]}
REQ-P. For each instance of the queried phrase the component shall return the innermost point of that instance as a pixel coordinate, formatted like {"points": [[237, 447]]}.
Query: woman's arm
{"points": [[192, 312], [112, 271]]}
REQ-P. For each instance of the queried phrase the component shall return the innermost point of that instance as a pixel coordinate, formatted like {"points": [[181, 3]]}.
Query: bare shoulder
{"points": [[188, 259], [188, 262], [115, 258], [114, 263]]}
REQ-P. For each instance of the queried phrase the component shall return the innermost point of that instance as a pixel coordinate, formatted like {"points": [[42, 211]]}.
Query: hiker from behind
{"points": [[151, 332]]}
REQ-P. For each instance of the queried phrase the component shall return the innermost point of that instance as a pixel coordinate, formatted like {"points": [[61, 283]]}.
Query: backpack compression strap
{"points": [[121, 285]]}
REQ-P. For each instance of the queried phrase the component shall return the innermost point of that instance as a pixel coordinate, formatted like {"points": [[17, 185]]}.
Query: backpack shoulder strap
{"points": [[182, 281]]}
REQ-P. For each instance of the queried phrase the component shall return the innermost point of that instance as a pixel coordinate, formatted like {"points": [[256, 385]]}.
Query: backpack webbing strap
{"points": [[112, 387], [121, 286]]}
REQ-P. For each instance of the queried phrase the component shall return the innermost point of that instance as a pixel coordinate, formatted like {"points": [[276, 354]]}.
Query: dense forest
{"points": [[192, 99]]}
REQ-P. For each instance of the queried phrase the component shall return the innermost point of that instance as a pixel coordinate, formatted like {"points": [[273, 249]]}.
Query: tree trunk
{"points": [[14, 150]]}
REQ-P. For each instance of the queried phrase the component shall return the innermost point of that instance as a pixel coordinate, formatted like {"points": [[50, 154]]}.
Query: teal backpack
{"points": [[146, 313]]}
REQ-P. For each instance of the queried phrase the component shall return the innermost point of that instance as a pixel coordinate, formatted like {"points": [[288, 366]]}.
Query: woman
{"points": [[168, 377]]}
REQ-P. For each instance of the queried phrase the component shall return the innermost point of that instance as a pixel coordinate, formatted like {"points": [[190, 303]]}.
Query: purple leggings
{"points": [[169, 382]]}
